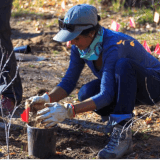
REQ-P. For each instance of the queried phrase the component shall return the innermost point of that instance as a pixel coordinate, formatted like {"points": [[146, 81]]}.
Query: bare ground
{"points": [[84, 136]]}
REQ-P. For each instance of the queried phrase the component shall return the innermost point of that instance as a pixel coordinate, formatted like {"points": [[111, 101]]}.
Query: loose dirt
{"points": [[82, 137]]}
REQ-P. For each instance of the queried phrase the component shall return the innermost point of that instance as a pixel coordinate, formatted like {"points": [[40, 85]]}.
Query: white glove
{"points": [[55, 113], [37, 102]]}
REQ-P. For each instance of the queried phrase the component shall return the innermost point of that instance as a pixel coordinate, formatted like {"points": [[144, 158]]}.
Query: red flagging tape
{"points": [[25, 115]]}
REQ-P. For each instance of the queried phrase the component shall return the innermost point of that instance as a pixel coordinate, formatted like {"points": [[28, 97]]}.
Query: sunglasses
{"points": [[69, 27]]}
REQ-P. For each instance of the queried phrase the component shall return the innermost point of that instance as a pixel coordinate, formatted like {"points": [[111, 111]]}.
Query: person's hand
{"points": [[37, 102], [55, 113]]}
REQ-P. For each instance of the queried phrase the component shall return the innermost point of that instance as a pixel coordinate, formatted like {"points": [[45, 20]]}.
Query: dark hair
{"points": [[95, 28]]}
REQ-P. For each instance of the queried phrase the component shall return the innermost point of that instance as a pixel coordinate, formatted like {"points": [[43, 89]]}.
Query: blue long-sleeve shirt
{"points": [[110, 54]]}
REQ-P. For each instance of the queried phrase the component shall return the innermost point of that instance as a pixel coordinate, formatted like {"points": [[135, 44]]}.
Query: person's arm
{"points": [[85, 106], [106, 93], [76, 65], [68, 82], [57, 94], [65, 87]]}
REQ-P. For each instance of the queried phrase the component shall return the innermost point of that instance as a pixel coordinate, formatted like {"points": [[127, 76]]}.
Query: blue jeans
{"points": [[130, 88]]}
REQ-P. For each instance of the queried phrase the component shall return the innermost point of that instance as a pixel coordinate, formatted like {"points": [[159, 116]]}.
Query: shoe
{"points": [[109, 128], [7, 105], [119, 144]]}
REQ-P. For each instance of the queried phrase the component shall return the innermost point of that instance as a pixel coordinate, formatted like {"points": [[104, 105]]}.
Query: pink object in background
{"points": [[7, 105], [63, 6], [156, 17], [118, 26], [25, 115], [115, 26], [132, 23], [68, 44], [146, 47], [157, 49]]}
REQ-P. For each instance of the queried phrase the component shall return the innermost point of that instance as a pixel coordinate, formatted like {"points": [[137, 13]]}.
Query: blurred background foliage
{"points": [[142, 10]]}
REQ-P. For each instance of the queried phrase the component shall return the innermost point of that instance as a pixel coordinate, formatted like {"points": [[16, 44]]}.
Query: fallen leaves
{"points": [[64, 49], [148, 148], [50, 3], [135, 112], [58, 152], [82, 1], [152, 156], [136, 157], [88, 116], [86, 131], [100, 134], [12, 153], [158, 120], [148, 120]]}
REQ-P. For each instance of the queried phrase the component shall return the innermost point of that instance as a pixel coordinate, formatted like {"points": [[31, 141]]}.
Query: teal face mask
{"points": [[94, 50]]}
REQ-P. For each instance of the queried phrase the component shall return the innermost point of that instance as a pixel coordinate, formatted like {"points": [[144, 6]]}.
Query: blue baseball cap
{"points": [[79, 18]]}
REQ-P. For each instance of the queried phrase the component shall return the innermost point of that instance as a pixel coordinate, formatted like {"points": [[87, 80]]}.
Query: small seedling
{"points": [[55, 52], [50, 24], [145, 136], [71, 95], [55, 21], [21, 147], [31, 65]]}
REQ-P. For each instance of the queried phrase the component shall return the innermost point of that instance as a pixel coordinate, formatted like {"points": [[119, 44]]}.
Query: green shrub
{"points": [[146, 16]]}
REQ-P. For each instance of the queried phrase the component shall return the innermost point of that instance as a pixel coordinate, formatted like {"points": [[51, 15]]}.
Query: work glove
{"points": [[55, 113], [37, 102]]}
